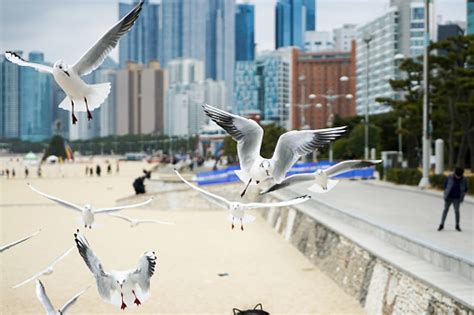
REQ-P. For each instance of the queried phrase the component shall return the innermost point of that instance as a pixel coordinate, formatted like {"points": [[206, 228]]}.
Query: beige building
{"points": [[140, 96]]}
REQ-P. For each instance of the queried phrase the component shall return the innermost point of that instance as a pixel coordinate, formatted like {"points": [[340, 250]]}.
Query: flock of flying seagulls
{"points": [[132, 287]]}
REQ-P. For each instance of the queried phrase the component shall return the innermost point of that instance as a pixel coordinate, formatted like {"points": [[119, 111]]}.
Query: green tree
{"points": [[409, 108], [453, 96]]}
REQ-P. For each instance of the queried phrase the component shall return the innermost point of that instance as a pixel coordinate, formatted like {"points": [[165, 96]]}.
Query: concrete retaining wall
{"points": [[379, 286]]}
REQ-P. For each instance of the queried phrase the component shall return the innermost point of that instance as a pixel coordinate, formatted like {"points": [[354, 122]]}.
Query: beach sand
{"points": [[261, 266]]}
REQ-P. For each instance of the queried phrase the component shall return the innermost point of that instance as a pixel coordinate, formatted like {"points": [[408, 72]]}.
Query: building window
{"points": [[417, 25], [418, 13]]}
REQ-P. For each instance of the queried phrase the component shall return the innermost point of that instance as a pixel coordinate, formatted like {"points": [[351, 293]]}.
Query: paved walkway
{"points": [[409, 211]]}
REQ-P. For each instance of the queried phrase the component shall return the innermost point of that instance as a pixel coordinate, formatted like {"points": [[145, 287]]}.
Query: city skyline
{"points": [[36, 34]]}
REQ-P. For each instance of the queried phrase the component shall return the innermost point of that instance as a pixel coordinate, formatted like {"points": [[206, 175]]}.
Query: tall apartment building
{"points": [[263, 87], [141, 43], [140, 97], [399, 31], [344, 36], [245, 32]]}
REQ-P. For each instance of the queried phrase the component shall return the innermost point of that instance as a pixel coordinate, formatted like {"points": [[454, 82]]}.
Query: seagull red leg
{"points": [[124, 306], [137, 301], [74, 119], [89, 115]]}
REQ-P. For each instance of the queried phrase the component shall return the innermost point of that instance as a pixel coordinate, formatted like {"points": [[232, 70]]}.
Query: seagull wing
{"points": [[61, 257], [294, 144], [341, 167], [145, 270], [291, 202], [94, 57], [290, 180], [36, 275], [155, 221], [123, 217], [42, 272], [246, 132], [221, 201], [16, 59], [18, 242], [118, 208], [73, 300], [60, 201], [105, 282], [43, 298]]}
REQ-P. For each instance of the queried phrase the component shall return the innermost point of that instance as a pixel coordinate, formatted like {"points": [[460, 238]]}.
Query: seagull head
{"points": [[263, 170], [87, 207], [121, 281], [62, 66]]}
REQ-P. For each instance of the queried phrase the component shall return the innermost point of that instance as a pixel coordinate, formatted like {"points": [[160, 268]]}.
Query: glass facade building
{"points": [[35, 101], [264, 87], [141, 43], [244, 32], [470, 17], [9, 98], [292, 19]]}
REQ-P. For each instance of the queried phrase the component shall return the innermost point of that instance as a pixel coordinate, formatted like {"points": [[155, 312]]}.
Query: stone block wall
{"points": [[378, 286]]}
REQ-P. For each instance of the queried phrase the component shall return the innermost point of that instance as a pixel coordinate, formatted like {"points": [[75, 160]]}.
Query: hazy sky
{"points": [[66, 28]]}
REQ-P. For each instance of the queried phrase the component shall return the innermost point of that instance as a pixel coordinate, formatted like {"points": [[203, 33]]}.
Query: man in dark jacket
{"points": [[455, 188]]}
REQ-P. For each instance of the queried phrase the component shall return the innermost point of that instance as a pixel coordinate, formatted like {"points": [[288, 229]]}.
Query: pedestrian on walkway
{"points": [[455, 188], [98, 170], [26, 172]]}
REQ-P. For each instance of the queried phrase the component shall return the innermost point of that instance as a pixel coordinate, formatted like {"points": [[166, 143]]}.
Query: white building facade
{"points": [[395, 35]]}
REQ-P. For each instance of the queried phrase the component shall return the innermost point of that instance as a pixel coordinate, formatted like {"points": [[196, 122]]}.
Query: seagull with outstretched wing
{"points": [[237, 209], [46, 302], [254, 169], [46, 271], [5, 247], [135, 222], [88, 213], [80, 96], [120, 288], [322, 177]]}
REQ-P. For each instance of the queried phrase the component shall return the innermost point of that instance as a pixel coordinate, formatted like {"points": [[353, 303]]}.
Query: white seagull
{"points": [[290, 147], [237, 209], [48, 306], [18, 242], [80, 96], [322, 177], [135, 222], [46, 271], [120, 288], [87, 211]]}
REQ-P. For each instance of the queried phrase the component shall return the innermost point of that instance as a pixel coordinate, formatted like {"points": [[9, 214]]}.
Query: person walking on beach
{"points": [[13, 173], [8, 173], [98, 170], [27, 172], [455, 188]]}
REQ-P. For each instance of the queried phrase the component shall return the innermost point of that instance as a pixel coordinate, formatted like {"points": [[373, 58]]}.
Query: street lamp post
{"points": [[330, 98], [426, 133], [367, 40], [301, 78]]}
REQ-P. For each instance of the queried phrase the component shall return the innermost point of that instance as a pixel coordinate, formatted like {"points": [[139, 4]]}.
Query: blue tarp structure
{"points": [[227, 175]]}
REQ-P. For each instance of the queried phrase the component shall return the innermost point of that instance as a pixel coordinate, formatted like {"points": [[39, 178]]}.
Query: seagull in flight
{"points": [[237, 209], [2, 248], [134, 222], [80, 96], [290, 146], [120, 288], [48, 306], [87, 211], [322, 177], [46, 271]]}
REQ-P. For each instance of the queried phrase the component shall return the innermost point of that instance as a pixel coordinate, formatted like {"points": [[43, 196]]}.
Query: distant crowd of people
{"points": [[12, 173], [98, 170]]}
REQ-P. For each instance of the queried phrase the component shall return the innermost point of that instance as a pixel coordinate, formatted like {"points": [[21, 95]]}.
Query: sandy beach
{"points": [[260, 266]]}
